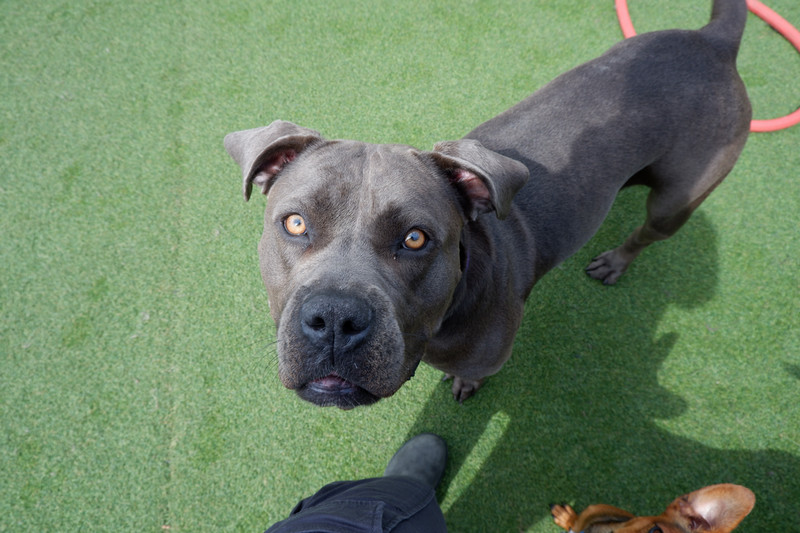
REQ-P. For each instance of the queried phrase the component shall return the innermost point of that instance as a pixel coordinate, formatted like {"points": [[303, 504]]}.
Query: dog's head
{"points": [[361, 252], [714, 509]]}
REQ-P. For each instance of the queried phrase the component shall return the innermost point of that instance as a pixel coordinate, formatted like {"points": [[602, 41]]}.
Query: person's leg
{"points": [[403, 500]]}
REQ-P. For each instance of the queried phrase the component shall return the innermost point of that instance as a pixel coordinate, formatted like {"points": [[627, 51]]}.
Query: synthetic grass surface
{"points": [[138, 386]]}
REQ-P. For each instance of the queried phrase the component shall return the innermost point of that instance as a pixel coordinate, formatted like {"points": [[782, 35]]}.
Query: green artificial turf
{"points": [[138, 384]]}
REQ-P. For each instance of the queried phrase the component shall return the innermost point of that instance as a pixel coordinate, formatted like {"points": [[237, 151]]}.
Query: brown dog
{"points": [[377, 256], [714, 509]]}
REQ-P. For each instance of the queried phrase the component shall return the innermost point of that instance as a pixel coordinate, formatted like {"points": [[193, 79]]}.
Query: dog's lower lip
{"points": [[333, 383], [336, 390]]}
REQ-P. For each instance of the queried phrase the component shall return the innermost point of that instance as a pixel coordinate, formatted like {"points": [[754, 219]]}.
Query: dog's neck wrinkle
{"points": [[464, 253], [458, 292], [468, 286]]}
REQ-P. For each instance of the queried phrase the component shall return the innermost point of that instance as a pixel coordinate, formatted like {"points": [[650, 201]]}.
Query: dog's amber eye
{"points": [[415, 239], [655, 529], [295, 225]]}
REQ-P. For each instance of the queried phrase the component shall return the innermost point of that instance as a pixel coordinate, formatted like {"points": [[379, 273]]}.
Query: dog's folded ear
{"points": [[263, 152], [716, 509], [486, 181]]}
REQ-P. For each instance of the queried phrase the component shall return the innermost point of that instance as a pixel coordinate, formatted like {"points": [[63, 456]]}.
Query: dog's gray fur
{"points": [[356, 309]]}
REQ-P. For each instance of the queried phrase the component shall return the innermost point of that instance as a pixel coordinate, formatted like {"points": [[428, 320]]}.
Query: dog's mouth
{"points": [[335, 390]]}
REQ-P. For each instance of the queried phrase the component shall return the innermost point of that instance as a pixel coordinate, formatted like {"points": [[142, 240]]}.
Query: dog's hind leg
{"points": [[678, 186]]}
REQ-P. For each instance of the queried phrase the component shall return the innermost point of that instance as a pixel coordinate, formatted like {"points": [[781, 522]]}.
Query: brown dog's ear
{"points": [[262, 152], [486, 180], [716, 509]]}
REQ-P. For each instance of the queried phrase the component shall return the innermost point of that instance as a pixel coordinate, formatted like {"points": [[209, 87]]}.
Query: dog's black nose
{"points": [[336, 320]]}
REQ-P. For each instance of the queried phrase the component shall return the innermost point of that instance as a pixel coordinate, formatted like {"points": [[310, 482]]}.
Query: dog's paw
{"points": [[563, 515], [608, 267], [463, 388]]}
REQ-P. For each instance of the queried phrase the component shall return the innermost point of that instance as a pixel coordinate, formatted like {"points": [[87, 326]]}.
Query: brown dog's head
{"points": [[361, 253]]}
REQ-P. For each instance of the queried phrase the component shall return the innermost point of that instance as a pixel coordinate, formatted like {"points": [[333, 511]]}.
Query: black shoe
{"points": [[423, 458]]}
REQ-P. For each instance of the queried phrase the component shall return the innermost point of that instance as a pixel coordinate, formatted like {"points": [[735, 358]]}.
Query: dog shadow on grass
{"points": [[572, 416]]}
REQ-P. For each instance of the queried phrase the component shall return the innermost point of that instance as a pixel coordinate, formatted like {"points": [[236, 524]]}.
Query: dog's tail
{"points": [[726, 27]]}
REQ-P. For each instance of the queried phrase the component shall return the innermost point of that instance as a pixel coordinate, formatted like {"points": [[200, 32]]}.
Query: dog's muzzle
{"points": [[336, 325]]}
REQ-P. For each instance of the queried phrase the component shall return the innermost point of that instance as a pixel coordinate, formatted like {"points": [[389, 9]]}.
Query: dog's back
{"points": [[665, 109]]}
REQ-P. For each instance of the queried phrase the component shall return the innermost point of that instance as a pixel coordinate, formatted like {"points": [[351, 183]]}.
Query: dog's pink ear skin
{"points": [[474, 189], [486, 179], [263, 152], [717, 508], [269, 169]]}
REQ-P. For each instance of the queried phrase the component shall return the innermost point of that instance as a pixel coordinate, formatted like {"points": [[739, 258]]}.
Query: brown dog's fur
{"points": [[713, 509]]}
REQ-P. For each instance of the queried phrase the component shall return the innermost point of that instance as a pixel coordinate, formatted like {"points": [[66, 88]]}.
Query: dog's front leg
{"points": [[463, 388]]}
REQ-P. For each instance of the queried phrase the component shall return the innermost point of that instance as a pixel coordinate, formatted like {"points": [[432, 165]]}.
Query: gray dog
{"points": [[377, 257]]}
